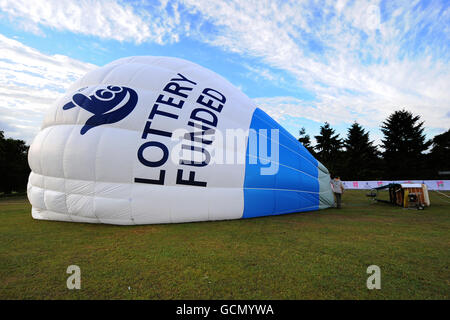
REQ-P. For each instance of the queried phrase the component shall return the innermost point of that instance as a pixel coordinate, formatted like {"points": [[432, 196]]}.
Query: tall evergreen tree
{"points": [[305, 140], [361, 156], [404, 144], [329, 149]]}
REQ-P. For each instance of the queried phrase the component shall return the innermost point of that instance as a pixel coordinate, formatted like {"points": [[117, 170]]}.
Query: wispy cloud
{"points": [[107, 19], [360, 58], [29, 83]]}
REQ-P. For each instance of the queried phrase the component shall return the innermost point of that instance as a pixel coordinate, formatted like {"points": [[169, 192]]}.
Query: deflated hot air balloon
{"points": [[147, 140]]}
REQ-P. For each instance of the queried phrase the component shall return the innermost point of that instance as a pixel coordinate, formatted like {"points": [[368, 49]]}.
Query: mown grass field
{"points": [[315, 255]]}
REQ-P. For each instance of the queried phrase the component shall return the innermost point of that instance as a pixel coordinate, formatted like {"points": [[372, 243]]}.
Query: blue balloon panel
{"points": [[293, 188]]}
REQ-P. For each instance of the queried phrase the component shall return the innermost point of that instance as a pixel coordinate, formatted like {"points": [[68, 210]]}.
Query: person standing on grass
{"points": [[338, 189]]}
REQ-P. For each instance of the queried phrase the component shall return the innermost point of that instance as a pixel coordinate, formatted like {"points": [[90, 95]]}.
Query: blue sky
{"points": [[303, 62]]}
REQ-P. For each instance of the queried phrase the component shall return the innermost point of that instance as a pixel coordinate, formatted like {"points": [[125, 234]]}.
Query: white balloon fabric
{"points": [[146, 140]]}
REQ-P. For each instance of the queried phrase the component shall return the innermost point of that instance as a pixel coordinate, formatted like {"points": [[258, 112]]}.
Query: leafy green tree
{"points": [[329, 149], [404, 144], [14, 169], [305, 140], [361, 157]]}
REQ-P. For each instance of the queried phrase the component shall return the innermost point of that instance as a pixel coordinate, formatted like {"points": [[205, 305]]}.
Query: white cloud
{"points": [[29, 82], [109, 19]]}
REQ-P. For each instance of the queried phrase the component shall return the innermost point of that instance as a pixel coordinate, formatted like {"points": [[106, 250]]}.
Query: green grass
{"points": [[315, 255]]}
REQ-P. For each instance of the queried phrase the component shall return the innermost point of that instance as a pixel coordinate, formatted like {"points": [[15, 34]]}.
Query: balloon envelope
{"points": [[147, 140]]}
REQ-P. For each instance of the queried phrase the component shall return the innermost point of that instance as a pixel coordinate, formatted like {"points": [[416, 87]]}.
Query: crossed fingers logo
{"points": [[108, 105]]}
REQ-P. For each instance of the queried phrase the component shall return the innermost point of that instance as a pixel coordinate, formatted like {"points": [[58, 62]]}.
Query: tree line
{"points": [[14, 169], [405, 152]]}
